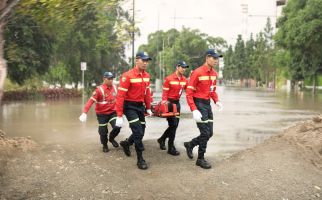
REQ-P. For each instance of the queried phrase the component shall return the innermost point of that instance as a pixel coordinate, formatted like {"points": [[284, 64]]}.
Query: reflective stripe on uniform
{"points": [[206, 121], [166, 88], [191, 87], [203, 78], [102, 124], [206, 78], [114, 118], [202, 122], [102, 102], [183, 83], [142, 122], [178, 117], [136, 80], [174, 82], [134, 120], [146, 79], [102, 91], [123, 89], [93, 99]]}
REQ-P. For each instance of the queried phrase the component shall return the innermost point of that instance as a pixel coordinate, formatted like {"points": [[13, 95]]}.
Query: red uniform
{"points": [[202, 85], [104, 97], [135, 87], [173, 86]]}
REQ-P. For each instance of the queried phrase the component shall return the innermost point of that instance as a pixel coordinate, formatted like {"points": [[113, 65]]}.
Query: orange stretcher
{"points": [[164, 109]]}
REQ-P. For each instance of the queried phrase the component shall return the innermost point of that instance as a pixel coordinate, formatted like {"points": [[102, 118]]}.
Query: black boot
{"points": [[126, 147], [141, 162], [113, 134], [173, 151], [161, 141], [189, 149], [114, 143], [105, 149], [203, 163]]}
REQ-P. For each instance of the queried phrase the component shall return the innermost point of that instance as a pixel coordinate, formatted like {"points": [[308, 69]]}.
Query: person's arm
{"points": [[213, 93], [148, 98], [191, 88], [165, 90], [90, 102], [121, 93], [88, 105]]}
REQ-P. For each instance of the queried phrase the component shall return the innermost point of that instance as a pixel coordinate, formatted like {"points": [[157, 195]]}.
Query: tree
{"points": [[58, 74], [188, 45], [300, 33], [64, 33], [250, 58], [239, 58], [229, 70], [5, 8], [27, 50]]}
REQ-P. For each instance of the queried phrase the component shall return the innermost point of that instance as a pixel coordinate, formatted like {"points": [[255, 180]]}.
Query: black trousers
{"points": [[205, 127], [134, 112], [103, 120], [173, 123]]}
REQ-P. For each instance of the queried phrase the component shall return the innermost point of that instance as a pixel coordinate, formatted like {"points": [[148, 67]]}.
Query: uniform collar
{"points": [[206, 68], [136, 70], [106, 86], [176, 76]]}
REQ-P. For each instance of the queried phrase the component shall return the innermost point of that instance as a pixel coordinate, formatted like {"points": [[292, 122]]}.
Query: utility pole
{"points": [[158, 42], [174, 38], [133, 31], [244, 19], [83, 68]]}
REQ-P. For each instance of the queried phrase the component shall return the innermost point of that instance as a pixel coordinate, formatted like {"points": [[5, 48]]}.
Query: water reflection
{"points": [[249, 117]]}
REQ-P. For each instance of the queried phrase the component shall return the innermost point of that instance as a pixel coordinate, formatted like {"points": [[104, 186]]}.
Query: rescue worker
{"points": [[133, 98], [173, 87], [202, 87], [104, 97]]}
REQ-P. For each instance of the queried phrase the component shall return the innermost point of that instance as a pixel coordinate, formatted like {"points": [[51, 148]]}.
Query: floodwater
{"points": [[248, 118]]}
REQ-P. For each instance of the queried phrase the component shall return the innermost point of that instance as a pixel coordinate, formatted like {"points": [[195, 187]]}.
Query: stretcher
{"points": [[164, 109]]}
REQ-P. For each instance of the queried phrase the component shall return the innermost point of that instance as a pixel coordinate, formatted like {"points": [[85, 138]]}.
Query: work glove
{"points": [[149, 112], [197, 115], [220, 106], [119, 122], [83, 117]]}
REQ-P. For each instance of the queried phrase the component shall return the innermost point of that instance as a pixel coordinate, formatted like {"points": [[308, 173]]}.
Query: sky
{"points": [[217, 18]]}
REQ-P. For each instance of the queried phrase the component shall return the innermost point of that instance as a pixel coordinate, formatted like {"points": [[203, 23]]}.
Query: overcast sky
{"points": [[218, 18]]}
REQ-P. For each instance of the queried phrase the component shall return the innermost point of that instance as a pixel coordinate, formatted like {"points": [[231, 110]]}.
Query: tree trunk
{"points": [[314, 84], [3, 66], [5, 8], [266, 79]]}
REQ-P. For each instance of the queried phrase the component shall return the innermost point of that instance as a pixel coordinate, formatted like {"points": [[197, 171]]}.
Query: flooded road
{"points": [[249, 117]]}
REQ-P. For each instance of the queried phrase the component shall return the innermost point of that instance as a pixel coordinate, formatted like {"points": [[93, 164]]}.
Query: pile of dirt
{"points": [[308, 137], [8, 145], [11, 148]]}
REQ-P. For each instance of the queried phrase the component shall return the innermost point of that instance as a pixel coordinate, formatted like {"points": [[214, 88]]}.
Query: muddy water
{"points": [[249, 117]]}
